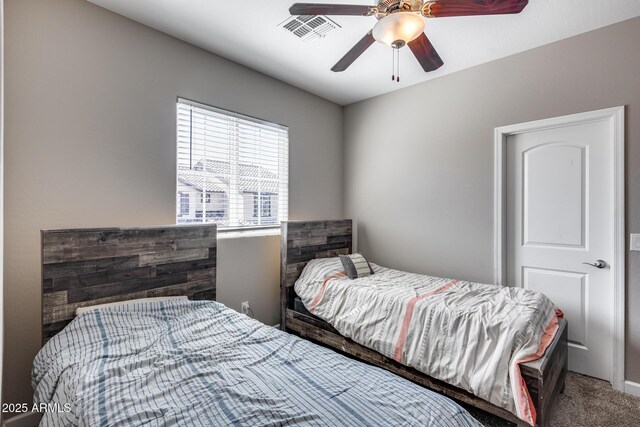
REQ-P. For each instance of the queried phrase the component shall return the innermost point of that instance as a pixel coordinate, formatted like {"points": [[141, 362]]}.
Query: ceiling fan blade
{"points": [[444, 8], [354, 53], [425, 53], [331, 9]]}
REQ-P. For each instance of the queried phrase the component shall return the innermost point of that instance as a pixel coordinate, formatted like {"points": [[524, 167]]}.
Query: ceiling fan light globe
{"points": [[404, 26]]}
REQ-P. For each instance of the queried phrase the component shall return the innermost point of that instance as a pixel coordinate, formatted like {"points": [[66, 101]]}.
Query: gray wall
{"points": [[421, 187], [90, 141]]}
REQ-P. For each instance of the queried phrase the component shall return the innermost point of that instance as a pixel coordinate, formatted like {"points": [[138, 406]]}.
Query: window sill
{"points": [[237, 234]]}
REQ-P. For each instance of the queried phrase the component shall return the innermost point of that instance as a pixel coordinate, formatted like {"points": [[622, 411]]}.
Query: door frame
{"points": [[615, 118]]}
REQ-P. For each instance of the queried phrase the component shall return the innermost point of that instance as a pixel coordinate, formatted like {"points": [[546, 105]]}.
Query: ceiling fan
{"points": [[400, 23]]}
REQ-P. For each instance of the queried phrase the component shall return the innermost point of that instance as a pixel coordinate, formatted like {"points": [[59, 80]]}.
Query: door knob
{"points": [[598, 264]]}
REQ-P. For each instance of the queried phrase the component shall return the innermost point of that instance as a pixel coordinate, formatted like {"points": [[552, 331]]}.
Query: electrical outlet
{"points": [[244, 308]]}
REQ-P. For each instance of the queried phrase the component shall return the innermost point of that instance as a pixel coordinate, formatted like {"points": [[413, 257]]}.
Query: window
{"points": [[236, 167], [208, 199], [183, 204], [262, 206], [266, 206]]}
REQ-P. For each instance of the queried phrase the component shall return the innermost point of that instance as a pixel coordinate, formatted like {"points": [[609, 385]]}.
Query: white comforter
{"points": [[470, 335]]}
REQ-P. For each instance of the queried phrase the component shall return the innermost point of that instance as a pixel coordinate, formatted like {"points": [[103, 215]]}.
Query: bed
{"points": [[321, 241], [191, 362]]}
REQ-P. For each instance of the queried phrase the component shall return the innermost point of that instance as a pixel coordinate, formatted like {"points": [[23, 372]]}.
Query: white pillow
{"points": [[88, 308]]}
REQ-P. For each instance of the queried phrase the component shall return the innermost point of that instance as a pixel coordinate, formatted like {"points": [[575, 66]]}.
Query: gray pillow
{"points": [[356, 266]]}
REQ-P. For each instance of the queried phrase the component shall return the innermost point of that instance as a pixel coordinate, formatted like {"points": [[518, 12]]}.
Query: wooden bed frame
{"points": [[84, 267], [302, 241]]}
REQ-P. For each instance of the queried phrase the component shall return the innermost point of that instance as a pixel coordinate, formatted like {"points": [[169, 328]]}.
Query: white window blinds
{"points": [[232, 170]]}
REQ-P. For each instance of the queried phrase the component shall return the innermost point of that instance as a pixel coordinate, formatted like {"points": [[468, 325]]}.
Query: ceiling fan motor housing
{"points": [[386, 7]]}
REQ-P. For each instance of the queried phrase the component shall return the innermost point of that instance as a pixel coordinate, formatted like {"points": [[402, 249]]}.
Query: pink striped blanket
{"points": [[471, 335]]}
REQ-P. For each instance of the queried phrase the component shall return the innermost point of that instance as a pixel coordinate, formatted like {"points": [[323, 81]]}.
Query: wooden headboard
{"points": [[302, 241], [84, 267]]}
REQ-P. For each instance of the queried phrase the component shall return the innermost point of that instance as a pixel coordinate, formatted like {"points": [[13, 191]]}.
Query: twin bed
{"points": [[360, 313], [200, 363]]}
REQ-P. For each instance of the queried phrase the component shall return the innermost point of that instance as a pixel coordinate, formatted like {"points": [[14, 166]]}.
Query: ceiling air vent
{"points": [[309, 27]]}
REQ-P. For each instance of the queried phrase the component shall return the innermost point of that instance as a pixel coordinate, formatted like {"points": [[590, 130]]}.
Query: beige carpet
{"points": [[586, 402]]}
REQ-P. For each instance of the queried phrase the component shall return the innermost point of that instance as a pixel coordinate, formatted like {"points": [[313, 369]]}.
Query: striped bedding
{"points": [[201, 364], [470, 335]]}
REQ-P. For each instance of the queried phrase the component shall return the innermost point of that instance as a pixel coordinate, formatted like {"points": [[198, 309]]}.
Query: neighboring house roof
{"points": [[201, 181], [213, 176]]}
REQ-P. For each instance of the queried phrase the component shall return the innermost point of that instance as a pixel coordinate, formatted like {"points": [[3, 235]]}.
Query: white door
{"points": [[559, 217]]}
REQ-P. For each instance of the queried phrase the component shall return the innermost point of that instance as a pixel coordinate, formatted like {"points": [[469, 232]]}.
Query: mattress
{"points": [[471, 335], [202, 364]]}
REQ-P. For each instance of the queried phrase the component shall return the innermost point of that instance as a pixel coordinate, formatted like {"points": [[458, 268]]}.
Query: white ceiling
{"points": [[247, 32]]}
